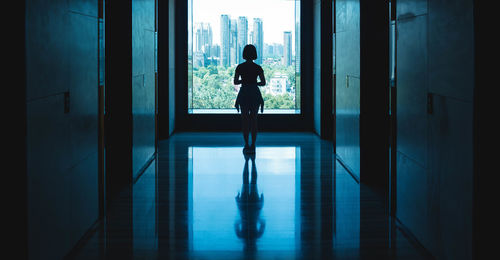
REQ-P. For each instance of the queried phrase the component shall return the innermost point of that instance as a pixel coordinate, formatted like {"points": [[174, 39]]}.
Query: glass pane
{"points": [[218, 32], [190, 55]]}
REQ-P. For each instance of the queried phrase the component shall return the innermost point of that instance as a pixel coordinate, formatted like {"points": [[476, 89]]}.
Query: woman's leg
{"points": [[245, 124], [253, 125]]}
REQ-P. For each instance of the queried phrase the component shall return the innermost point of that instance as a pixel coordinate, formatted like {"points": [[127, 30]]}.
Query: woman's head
{"points": [[249, 52]]}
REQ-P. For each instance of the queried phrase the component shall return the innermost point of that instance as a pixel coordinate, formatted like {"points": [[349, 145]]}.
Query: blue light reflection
{"points": [[228, 209]]}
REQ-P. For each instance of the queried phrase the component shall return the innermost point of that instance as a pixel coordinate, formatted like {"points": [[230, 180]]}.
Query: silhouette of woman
{"points": [[249, 97]]}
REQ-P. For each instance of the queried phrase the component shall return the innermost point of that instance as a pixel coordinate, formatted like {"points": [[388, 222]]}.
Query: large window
{"points": [[218, 31]]}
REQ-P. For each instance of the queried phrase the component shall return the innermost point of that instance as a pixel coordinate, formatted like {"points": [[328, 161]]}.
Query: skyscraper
{"points": [[250, 37], [207, 38], [268, 50], [203, 38], [215, 50], [233, 42], [258, 39], [278, 49], [224, 40], [287, 48], [242, 36]]}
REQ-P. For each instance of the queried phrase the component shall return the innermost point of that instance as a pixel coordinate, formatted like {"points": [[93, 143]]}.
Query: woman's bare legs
{"points": [[253, 126], [245, 118]]}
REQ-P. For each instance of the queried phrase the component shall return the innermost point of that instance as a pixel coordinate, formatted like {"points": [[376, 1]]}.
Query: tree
{"points": [[212, 87], [283, 101]]}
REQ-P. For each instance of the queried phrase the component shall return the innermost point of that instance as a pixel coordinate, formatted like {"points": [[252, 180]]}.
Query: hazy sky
{"points": [[277, 16]]}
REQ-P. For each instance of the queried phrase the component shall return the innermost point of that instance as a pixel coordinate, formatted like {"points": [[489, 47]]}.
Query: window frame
{"points": [[185, 121]]}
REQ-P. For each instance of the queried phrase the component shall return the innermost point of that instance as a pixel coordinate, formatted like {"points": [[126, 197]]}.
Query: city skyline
{"points": [[249, 31], [234, 35], [210, 12]]}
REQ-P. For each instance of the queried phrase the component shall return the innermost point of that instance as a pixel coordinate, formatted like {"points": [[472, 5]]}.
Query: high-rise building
{"points": [[233, 42], [250, 37], [224, 40], [287, 48], [203, 38], [278, 49], [215, 51], [268, 50], [199, 59], [258, 38], [242, 37], [197, 38], [278, 84]]}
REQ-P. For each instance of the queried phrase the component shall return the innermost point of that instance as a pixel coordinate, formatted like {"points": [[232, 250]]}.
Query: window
{"points": [[218, 32]]}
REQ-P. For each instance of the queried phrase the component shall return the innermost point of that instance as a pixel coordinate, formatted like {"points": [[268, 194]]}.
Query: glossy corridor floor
{"points": [[201, 198]]}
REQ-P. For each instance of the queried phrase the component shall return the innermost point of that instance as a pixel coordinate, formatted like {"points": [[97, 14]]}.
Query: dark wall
{"points": [[18, 231], [307, 64], [143, 82], [362, 89], [323, 69], [166, 68], [327, 74], [62, 112], [130, 91], [180, 62], [61, 103], [484, 130], [374, 93], [164, 53], [171, 65], [347, 19], [317, 67], [435, 83]]}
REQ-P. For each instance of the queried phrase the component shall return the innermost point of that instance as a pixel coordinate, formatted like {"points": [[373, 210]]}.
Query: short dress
{"points": [[249, 96]]}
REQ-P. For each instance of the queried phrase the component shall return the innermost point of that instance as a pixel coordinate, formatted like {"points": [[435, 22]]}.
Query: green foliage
{"points": [[213, 87], [283, 101]]}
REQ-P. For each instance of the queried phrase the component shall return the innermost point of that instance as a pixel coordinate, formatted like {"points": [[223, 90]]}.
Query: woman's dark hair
{"points": [[249, 52]]}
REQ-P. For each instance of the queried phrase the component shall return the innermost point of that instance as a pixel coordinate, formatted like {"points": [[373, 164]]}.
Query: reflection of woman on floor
{"points": [[251, 226], [249, 97]]}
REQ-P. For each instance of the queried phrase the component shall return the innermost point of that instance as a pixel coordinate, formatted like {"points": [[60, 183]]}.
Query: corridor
{"points": [[371, 142], [201, 198]]}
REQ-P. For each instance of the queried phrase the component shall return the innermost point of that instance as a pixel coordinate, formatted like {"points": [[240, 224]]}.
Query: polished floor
{"points": [[201, 198]]}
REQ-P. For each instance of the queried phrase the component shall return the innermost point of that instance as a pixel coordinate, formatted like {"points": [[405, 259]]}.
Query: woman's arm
{"points": [[262, 79], [237, 79]]}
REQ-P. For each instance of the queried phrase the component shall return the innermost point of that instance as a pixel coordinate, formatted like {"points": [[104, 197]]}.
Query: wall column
{"points": [[374, 93], [118, 95]]}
